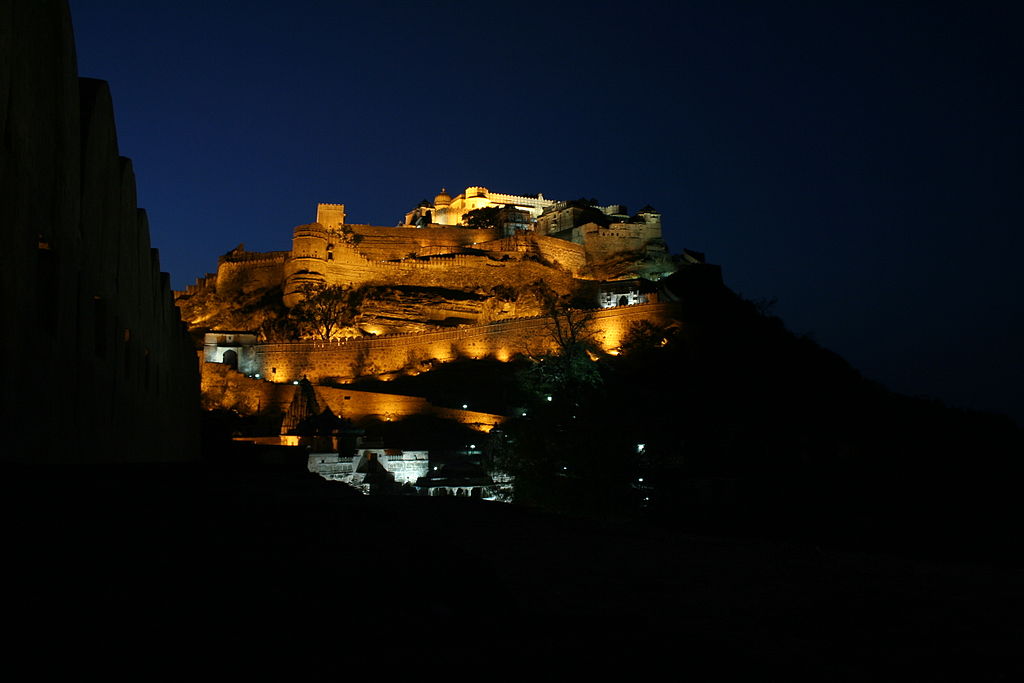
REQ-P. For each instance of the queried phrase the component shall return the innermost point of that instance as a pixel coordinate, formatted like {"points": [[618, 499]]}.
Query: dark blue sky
{"points": [[861, 163]]}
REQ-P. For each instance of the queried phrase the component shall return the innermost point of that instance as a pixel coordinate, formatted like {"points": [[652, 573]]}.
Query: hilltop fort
{"points": [[468, 249], [464, 276]]}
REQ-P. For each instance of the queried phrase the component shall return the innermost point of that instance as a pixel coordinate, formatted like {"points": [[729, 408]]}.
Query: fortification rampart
{"points": [[226, 388], [347, 359], [206, 283], [456, 271], [520, 200], [452, 271], [254, 256], [379, 243], [602, 242], [572, 257], [250, 271]]}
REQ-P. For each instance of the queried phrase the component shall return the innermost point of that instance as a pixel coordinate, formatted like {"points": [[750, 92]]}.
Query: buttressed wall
{"points": [[95, 357]]}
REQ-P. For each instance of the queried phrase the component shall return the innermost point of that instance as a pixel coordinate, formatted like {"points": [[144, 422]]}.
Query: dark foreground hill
{"points": [[187, 566]]}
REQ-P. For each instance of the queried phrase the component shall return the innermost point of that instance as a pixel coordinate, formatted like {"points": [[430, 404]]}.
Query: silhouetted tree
{"points": [[567, 366], [278, 328], [486, 217], [326, 309], [643, 335]]}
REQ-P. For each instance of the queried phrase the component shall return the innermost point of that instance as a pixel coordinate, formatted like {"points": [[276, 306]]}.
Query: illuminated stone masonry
{"points": [[345, 360], [571, 247], [405, 466], [224, 387], [531, 238]]}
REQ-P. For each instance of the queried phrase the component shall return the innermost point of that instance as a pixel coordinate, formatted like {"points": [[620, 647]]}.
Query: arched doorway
{"points": [[230, 357]]}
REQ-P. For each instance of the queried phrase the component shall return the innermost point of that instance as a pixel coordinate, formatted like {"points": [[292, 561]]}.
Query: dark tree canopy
{"points": [[326, 309], [487, 217]]}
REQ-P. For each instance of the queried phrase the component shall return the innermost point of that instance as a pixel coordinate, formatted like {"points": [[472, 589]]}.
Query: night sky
{"points": [[861, 164]]}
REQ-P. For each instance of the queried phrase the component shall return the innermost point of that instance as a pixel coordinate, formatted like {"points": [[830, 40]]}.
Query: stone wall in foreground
{"points": [[97, 365]]}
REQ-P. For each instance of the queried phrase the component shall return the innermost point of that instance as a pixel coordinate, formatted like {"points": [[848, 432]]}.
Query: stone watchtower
{"points": [[331, 216], [312, 248]]}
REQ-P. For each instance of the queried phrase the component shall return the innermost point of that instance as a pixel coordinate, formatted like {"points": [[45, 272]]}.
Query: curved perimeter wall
{"points": [[345, 360], [229, 389]]}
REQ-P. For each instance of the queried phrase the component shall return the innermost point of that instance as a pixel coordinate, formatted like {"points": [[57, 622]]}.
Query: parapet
{"points": [[310, 230], [330, 215]]}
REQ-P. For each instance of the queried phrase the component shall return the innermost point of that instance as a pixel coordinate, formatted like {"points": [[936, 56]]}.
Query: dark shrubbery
{"points": [[748, 428]]}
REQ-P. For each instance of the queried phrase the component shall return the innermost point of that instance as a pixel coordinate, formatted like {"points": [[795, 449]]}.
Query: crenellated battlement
{"points": [[481, 280], [450, 257], [256, 257], [330, 215], [205, 283]]}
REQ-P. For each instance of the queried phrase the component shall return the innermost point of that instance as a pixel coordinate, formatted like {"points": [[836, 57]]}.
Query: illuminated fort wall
{"points": [[244, 271], [345, 360], [331, 252], [96, 358], [226, 388], [603, 242], [373, 255]]}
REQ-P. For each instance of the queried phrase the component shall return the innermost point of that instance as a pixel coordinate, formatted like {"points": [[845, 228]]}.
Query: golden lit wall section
{"points": [[386, 407], [481, 422], [442, 350], [610, 332], [330, 215], [474, 348]]}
